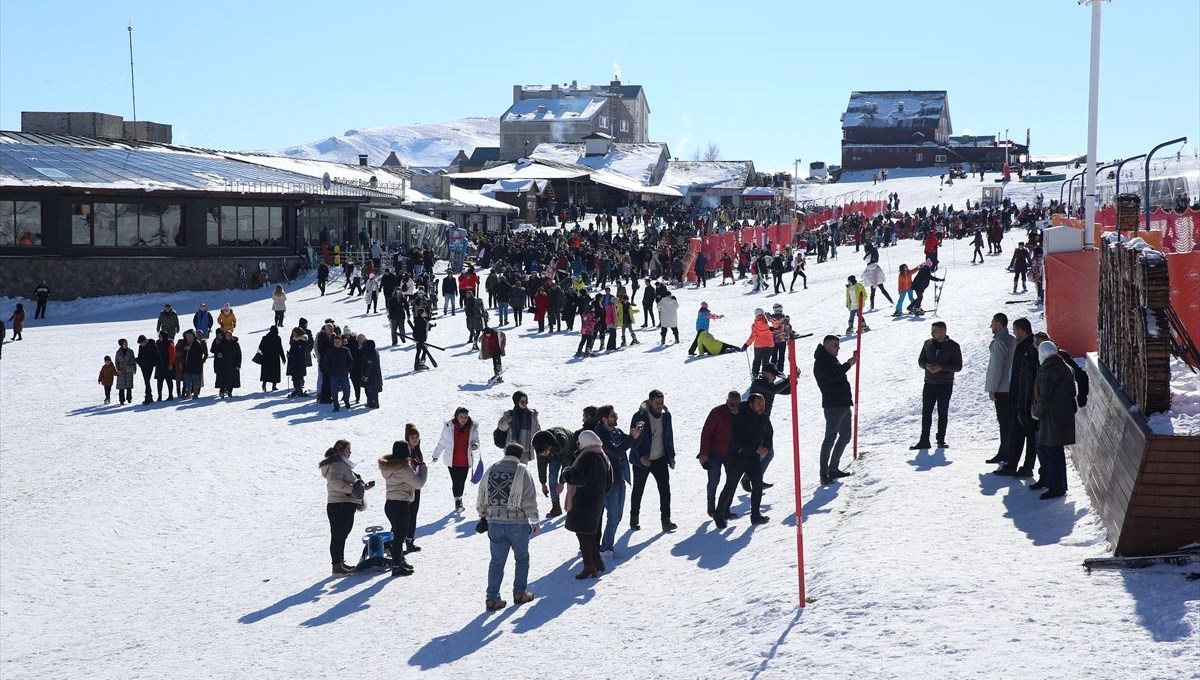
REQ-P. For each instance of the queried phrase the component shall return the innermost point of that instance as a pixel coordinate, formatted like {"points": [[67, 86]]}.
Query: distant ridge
{"points": [[419, 144]]}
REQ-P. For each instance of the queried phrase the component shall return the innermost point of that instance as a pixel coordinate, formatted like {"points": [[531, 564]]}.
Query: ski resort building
{"points": [[569, 113]]}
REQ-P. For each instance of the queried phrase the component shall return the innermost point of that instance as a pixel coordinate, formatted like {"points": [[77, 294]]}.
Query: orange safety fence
{"points": [[1072, 300], [1184, 272]]}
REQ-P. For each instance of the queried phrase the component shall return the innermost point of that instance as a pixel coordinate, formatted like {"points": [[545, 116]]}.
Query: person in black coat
{"points": [[147, 361], [1022, 426], [336, 363], [370, 372], [323, 343], [920, 282], [271, 349], [420, 332], [837, 402], [297, 361], [353, 344], [940, 359], [227, 363], [164, 370], [590, 477], [322, 276], [748, 446], [397, 312]]}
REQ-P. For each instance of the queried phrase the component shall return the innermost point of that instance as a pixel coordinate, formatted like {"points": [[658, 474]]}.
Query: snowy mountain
{"points": [[419, 144]]}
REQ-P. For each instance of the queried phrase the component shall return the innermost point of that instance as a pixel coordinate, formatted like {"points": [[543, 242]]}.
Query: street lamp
{"points": [[1146, 188], [1117, 191], [1089, 201], [1071, 190]]}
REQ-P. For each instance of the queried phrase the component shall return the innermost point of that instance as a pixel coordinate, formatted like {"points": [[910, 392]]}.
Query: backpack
{"points": [[1082, 383]]}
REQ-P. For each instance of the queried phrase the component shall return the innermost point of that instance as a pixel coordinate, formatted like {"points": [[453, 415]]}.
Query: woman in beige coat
{"points": [[404, 475], [341, 501], [279, 304]]}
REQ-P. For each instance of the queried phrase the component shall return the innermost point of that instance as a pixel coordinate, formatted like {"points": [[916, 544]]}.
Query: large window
{"points": [[245, 225], [324, 225], [20, 223], [127, 225]]}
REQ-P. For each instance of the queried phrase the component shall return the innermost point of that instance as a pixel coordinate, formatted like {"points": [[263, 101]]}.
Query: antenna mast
{"points": [[132, 82]]}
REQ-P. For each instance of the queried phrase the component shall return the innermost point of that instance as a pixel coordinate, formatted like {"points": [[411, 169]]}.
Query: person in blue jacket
{"points": [[703, 319], [653, 453], [616, 446]]}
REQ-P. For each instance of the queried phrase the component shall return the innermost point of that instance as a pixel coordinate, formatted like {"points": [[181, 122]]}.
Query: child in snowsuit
{"points": [[18, 321], [492, 347], [108, 373]]}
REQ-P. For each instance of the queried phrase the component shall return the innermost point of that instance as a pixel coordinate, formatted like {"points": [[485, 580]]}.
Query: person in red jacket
{"points": [[541, 305], [467, 281], [932, 241], [714, 443]]}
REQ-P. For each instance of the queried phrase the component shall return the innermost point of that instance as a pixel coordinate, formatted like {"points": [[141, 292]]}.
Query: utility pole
{"points": [[1089, 177], [132, 82]]}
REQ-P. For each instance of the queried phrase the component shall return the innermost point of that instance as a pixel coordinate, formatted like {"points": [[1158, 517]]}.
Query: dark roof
{"points": [[630, 91], [36, 160], [392, 161], [894, 108], [483, 154]]}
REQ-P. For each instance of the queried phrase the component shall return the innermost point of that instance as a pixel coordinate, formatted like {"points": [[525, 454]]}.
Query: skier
{"points": [[919, 283], [762, 336], [856, 295], [940, 359]]}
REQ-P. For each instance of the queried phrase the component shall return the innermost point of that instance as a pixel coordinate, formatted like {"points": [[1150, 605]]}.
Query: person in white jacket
{"points": [[460, 443], [279, 304], [873, 276], [668, 318]]}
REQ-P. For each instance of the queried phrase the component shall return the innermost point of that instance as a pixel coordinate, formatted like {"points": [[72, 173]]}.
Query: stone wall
{"points": [[71, 278]]}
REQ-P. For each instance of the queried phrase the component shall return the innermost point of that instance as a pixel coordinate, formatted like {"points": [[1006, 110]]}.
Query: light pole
{"points": [[1117, 191], [1102, 169], [1071, 191], [1089, 199]]}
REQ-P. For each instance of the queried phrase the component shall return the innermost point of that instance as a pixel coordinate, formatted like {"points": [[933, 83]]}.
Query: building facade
{"points": [[569, 113]]}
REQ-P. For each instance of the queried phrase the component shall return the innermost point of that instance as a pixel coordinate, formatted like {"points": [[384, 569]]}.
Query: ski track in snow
{"points": [[188, 540]]}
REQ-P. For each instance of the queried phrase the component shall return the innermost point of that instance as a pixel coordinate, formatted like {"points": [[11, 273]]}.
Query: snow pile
{"points": [[416, 145], [1184, 416], [182, 539]]}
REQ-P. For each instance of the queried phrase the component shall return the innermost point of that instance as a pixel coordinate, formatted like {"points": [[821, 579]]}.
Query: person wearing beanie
{"points": [[1054, 410], [519, 424], [762, 337], [412, 437], [940, 358], [856, 295], [704, 318], [588, 480], [404, 476]]}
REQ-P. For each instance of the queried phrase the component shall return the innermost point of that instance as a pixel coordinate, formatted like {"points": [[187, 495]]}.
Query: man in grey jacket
{"points": [[996, 382], [507, 505]]}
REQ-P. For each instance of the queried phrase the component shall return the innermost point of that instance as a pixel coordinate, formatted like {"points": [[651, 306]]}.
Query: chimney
{"points": [[362, 159], [541, 109], [554, 91], [516, 93], [574, 85], [615, 85]]}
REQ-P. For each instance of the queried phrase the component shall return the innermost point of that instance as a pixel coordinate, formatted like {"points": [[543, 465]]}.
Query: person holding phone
{"points": [[838, 404], [460, 443], [344, 489]]}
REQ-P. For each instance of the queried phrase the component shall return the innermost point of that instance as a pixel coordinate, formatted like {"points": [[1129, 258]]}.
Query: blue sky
{"points": [[764, 80]]}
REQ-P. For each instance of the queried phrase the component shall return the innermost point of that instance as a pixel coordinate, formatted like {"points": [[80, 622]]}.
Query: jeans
{"points": [[191, 383], [939, 395], [614, 508], [662, 478], [339, 383], [449, 303], [502, 313], [714, 479], [905, 294], [398, 330], [553, 468], [502, 538], [837, 436]]}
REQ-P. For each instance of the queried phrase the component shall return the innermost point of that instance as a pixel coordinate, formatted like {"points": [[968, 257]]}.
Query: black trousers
{"points": [[147, 377], [761, 356], [662, 478], [399, 514], [398, 330], [412, 515], [1021, 439], [40, 311], [801, 274], [341, 522], [734, 469], [458, 479], [589, 546], [935, 395], [170, 387], [279, 318], [662, 333], [1003, 418]]}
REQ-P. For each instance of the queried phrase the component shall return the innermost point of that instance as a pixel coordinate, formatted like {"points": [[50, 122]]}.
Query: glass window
{"points": [[104, 231], [81, 224], [213, 220], [262, 226], [276, 226], [29, 223], [229, 225], [171, 222], [245, 226], [7, 222], [127, 221], [150, 225]]}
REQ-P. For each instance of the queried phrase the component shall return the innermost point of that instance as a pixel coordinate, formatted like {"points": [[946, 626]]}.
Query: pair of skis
{"points": [[1182, 558]]}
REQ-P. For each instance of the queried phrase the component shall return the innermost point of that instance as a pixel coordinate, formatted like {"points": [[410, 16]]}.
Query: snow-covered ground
{"points": [[419, 144], [188, 539]]}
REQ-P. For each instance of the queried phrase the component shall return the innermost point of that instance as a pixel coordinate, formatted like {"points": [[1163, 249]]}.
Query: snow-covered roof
{"points": [[389, 180], [478, 200], [699, 175], [514, 186], [759, 192], [894, 108], [66, 161], [416, 217], [563, 108], [635, 161], [522, 170]]}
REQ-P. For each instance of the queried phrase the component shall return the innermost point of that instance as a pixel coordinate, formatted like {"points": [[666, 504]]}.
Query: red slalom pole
{"points": [[857, 371], [792, 372]]}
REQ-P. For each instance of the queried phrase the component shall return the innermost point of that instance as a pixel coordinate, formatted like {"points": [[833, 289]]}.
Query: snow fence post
{"points": [[792, 372], [862, 300]]}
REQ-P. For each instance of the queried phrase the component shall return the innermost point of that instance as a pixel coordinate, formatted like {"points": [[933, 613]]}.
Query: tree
{"points": [[712, 152]]}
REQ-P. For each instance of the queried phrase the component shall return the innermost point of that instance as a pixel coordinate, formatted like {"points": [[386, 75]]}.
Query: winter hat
{"points": [[758, 311], [400, 451], [777, 307], [851, 279], [518, 396], [703, 305], [1046, 350], [303, 322], [588, 440]]}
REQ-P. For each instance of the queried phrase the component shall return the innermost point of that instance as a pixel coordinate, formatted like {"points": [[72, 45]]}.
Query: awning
{"points": [[410, 216]]}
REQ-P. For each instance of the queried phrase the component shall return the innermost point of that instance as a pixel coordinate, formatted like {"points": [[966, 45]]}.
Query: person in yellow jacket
{"points": [[856, 295], [226, 319]]}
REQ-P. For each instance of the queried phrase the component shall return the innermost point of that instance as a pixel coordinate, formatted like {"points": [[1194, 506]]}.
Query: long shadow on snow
{"points": [[1162, 609], [312, 593], [925, 461], [711, 549], [989, 483], [354, 602], [436, 526], [1044, 522], [824, 495], [454, 646], [330, 414], [778, 643], [555, 593]]}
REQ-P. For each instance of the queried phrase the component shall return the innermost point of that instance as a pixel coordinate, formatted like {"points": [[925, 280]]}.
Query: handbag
{"points": [[500, 438], [258, 357]]}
